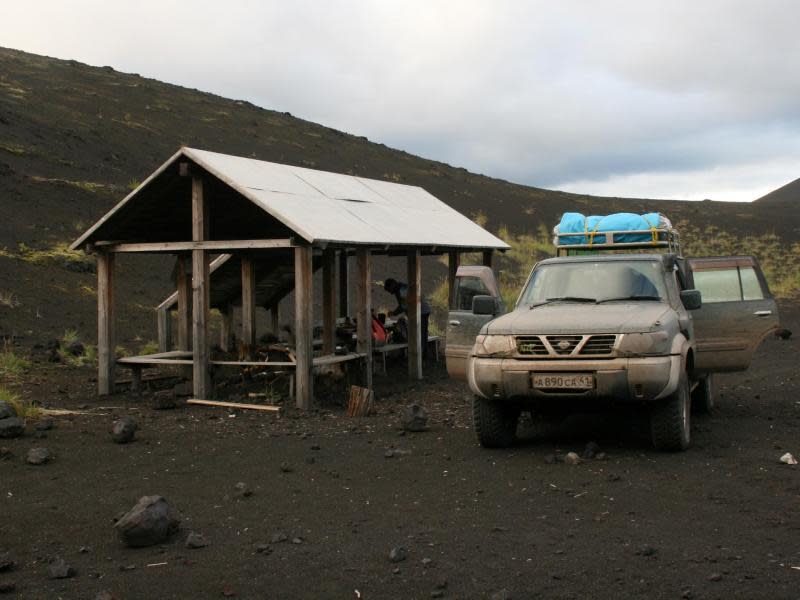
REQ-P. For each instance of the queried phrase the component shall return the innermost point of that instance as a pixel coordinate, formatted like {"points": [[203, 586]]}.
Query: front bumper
{"points": [[619, 379]]}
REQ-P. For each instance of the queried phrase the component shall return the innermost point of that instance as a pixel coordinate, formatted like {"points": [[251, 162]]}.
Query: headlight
{"points": [[655, 343], [493, 345]]}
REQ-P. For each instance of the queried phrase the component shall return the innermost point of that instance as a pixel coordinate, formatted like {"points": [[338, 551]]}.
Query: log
{"points": [[219, 404]]}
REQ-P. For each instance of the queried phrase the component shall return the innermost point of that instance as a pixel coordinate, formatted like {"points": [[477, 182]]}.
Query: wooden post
{"points": [[303, 326], [343, 286], [164, 319], [487, 258], [248, 306], [106, 361], [226, 329], [329, 301], [184, 302], [200, 294], [414, 313], [453, 262], [364, 310]]}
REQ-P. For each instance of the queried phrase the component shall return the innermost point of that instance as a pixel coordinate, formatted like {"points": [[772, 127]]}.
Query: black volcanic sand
{"points": [[718, 521]]}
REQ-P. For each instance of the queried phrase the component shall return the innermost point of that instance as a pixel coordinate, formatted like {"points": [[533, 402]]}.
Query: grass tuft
{"points": [[24, 410], [11, 365]]}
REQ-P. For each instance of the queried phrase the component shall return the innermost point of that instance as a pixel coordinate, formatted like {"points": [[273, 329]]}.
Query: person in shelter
{"points": [[400, 291]]}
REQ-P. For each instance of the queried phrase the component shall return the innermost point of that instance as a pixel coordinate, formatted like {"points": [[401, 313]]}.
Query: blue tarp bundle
{"points": [[592, 226]]}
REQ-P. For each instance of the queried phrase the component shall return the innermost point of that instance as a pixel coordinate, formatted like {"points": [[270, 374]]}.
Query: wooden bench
{"points": [[382, 351]]}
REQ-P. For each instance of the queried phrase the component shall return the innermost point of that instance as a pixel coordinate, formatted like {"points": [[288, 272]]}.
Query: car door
{"points": [[462, 324], [738, 311]]}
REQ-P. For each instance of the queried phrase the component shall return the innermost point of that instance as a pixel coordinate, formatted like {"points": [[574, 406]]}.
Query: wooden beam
{"points": [[487, 258], [275, 319], [172, 299], [453, 262], [328, 301], [106, 343], [184, 302], [200, 293], [364, 310], [343, 286], [414, 313], [248, 306], [211, 245], [303, 328]]}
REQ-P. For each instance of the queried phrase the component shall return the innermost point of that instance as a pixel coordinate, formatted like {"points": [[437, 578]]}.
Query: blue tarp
{"points": [[593, 225]]}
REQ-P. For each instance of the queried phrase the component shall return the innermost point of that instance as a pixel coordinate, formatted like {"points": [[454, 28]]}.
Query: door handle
{"points": [[455, 323], [762, 313]]}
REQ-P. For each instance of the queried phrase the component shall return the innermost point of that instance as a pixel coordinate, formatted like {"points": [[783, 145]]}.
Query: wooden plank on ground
{"points": [[220, 404]]}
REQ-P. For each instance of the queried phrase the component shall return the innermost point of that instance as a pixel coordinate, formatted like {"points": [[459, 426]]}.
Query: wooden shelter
{"points": [[271, 226]]}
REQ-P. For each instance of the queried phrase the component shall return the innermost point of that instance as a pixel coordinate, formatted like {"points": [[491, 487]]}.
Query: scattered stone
{"points": [[38, 456], [75, 348], [7, 562], [783, 334], [441, 584], [127, 567], [5, 453], [550, 459], [572, 458], [426, 562], [297, 540], [228, 593], [396, 571], [398, 554], [151, 521], [105, 595], [601, 456], [286, 467], [84, 549], [686, 594], [11, 427], [647, 550], [196, 540], [437, 594], [279, 537], [164, 400], [263, 548], [415, 418], [315, 447], [7, 410], [591, 450], [788, 459], [715, 577], [59, 569], [6, 587], [124, 430], [310, 460], [242, 490], [389, 453], [503, 594]]}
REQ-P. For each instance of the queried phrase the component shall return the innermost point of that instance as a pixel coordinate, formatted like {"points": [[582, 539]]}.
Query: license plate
{"points": [[563, 381]]}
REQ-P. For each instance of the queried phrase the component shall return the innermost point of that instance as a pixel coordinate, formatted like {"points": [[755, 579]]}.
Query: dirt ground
{"points": [[721, 520]]}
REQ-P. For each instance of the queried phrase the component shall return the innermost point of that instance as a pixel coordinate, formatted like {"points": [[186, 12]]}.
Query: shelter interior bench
{"points": [[382, 351]]}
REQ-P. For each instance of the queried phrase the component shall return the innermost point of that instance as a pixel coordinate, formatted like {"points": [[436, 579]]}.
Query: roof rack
{"points": [[665, 237]]}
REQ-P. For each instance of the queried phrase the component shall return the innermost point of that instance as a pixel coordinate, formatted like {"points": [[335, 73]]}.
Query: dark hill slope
{"points": [[75, 138], [787, 196]]}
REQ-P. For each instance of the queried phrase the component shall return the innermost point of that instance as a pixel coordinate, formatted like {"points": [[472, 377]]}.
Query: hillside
{"points": [[786, 196], [74, 139]]}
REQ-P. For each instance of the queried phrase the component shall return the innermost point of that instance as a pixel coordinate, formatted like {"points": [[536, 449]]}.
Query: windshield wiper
{"points": [[564, 299], [633, 297]]}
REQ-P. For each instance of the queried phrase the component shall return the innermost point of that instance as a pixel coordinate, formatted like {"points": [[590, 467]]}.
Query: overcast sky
{"points": [[664, 99]]}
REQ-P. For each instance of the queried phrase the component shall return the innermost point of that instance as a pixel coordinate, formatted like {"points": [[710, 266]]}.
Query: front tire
{"points": [[670, 420], [703, 395], [495, 423]]}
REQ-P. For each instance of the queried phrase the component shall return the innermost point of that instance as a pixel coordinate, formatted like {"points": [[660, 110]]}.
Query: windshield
{"points": [[595, 281]]}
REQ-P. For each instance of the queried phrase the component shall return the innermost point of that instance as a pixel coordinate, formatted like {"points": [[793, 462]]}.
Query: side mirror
{"points": [[691, 299], [484, 305]]}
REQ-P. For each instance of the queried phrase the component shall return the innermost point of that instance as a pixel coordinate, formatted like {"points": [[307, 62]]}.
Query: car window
{"points": [[466, 289], [751, 288], [731, 284]]}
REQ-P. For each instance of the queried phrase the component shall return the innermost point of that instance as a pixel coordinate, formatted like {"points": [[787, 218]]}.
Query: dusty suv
{"points": [[591, 330]]}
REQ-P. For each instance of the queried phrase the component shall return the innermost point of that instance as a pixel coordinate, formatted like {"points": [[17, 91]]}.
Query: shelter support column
{"points": [[226, 329], [414, 315], [200, 294], [184, 282], [303, 309], [343, 285], [487, 258], [106, 361], [364, 310], [248, 306], [164, 322], [275, 317], [328, 301], [453, 262]]}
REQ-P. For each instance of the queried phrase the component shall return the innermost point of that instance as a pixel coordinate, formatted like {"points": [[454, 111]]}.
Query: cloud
{"points": [[543, 93]]}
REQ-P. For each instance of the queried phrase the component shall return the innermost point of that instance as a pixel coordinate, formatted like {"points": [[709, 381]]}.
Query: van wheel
{"points": [[670, 420], [703, 396], [495, 424]]}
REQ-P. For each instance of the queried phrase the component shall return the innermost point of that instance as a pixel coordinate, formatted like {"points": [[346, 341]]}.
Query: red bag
{"points": [[379, 335]]}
